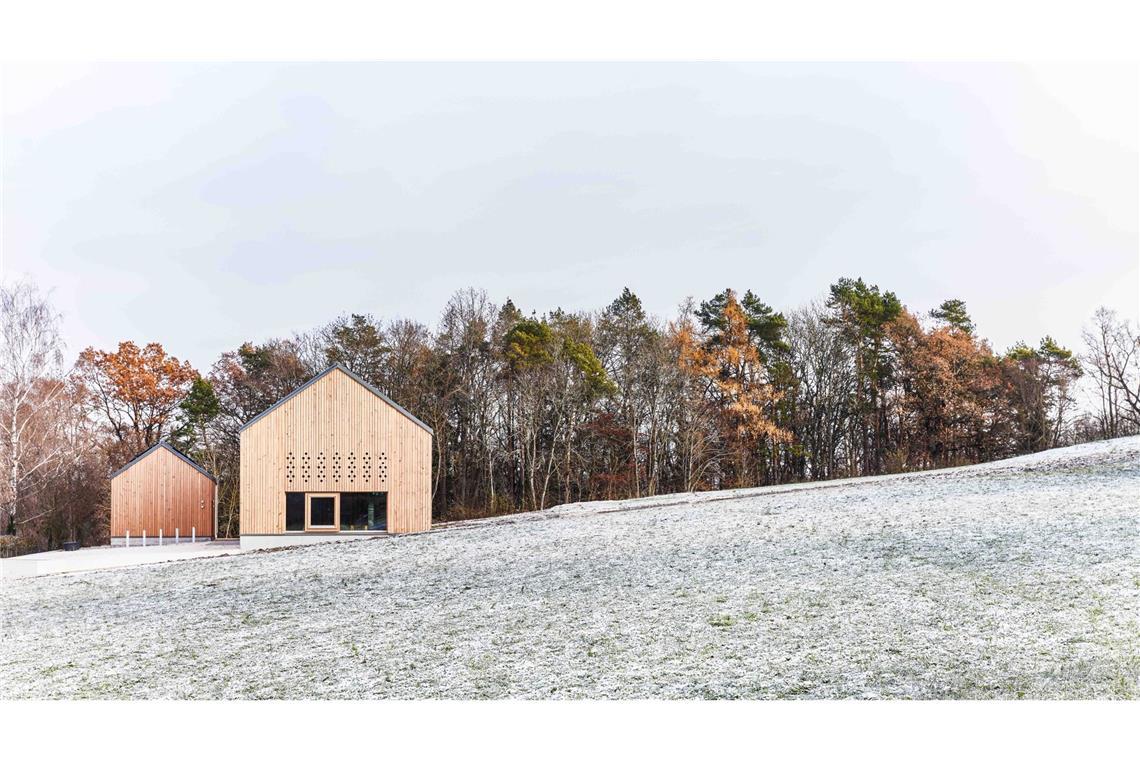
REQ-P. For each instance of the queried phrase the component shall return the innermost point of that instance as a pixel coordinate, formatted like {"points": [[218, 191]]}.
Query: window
{"points": [[322, 511], [336, 511], [364, 511], [294, 511]]}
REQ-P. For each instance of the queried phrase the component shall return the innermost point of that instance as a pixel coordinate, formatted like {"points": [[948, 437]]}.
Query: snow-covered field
{"points": [[1013, 579]]}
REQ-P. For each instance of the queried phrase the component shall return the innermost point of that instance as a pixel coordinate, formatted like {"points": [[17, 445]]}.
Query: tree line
{"points": [[534, 410]]}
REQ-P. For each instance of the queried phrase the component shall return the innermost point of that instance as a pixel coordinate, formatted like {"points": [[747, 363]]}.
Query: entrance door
{"points": [[322, 511]]}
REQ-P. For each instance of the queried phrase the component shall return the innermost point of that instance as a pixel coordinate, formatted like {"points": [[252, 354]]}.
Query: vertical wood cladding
{"points": [[335, 435]]}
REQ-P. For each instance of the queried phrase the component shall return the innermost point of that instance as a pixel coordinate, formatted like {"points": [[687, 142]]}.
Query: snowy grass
{"points": [[1016, 579]]}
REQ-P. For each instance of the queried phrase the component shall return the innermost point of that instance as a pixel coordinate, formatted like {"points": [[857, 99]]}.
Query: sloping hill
{"points": [[1012, 579]]}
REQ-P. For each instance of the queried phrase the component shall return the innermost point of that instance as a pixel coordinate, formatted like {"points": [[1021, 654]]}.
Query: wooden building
{"points": [[335, 458], [162, 489]]}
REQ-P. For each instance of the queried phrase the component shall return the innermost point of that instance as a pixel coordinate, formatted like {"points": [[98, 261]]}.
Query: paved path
{"points": [[103, 557]]}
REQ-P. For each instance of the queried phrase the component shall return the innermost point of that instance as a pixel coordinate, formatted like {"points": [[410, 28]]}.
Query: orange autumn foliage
{"points": [[136, 390], [735, 382], [949, 382]]}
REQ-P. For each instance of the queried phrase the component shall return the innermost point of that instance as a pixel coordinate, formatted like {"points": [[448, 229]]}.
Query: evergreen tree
{"points": [[863, 313], [764, 324], [1040, 386], [197, 410], [626, 345], [953, 313]]}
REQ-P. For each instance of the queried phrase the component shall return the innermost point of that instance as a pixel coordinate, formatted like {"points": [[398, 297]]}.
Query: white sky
{"points": [[205, 205]]}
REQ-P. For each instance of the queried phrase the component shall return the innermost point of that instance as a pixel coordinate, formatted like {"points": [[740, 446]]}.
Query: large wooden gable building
{"points": [[164, 490], [335, 458]]}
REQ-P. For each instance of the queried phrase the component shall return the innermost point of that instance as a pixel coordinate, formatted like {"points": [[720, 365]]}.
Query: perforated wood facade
{"points": [[335, 434], [162, 488]]}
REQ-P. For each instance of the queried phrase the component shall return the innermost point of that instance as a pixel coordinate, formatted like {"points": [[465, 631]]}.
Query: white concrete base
{"points": [[302, 539], [104, 557]]}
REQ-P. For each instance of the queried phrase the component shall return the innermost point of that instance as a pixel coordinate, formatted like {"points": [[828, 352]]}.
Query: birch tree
{"points": [[33, 384]]}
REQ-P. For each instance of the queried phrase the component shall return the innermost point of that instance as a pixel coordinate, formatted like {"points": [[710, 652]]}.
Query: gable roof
{"points": [[162, 445], [376, 391]]}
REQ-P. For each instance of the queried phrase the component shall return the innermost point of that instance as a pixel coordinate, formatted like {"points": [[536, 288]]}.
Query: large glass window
{"points": [[364, 511], [294, 510], [322, 510]]}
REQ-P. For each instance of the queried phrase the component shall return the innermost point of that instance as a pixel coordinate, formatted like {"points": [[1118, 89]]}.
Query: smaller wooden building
{"points": [[162, 489]]}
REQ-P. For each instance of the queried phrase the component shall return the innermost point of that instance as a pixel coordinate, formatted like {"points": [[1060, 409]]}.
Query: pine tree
{"points": [[953, 313], [863, 313], [626, 344], [765, 325]]}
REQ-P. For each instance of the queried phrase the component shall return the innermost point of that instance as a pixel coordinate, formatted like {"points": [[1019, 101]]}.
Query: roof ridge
{"points": [[163, 444], [327, 370]]}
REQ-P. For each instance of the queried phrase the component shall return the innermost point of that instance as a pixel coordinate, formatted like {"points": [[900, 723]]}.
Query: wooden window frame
{"points": [[309, 527]]}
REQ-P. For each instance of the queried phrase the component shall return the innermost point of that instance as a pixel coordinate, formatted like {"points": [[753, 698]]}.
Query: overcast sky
{"points": [[205, 205]]}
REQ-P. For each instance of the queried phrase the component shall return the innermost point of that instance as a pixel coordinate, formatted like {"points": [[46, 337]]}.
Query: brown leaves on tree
{"points": [[735, 383], [949, 383], [136, 390]]}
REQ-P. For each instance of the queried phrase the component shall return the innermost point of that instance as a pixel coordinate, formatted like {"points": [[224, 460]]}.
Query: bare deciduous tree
{"points": [[33, 383], [823, 363], [1112, 361]]}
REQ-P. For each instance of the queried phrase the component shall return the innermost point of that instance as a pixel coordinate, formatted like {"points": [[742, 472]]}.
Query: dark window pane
{"points": [[294, 511], [322, 510], [364, 511], [353, 511]]}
